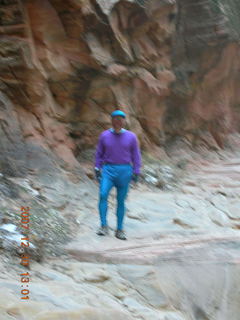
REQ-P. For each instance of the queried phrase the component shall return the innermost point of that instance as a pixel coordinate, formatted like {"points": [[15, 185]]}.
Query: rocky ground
{"points": [[181, 260]]}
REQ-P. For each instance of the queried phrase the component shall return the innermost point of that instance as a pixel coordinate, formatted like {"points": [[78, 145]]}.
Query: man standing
{"points": [[117, 162]]}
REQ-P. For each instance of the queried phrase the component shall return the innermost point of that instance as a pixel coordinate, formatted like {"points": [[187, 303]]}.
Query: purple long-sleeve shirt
{"points": [[118, 148]]}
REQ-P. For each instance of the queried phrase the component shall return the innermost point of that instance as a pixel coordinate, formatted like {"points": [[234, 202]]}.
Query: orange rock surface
{"points": [[65, 65]]}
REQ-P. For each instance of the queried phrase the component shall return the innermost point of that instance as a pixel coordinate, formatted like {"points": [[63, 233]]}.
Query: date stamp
{"points": [[25, 281], [25, 277]]}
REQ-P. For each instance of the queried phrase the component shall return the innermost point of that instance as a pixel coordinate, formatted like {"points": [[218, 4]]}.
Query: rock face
{"points": [[172, 66], [206, 65]]}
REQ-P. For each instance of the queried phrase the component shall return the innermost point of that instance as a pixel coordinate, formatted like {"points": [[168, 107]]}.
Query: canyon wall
{"points": [[172, 66]]}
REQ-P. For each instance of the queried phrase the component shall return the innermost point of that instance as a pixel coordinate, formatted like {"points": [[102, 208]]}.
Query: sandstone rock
{"points": [[191, 219], [219, 218], [161, 176], [56, 68], [114, 54], [145, 282], [136, 215], [233, 210], [11, 241], [85, 314], [95, 277], [203, 269]]}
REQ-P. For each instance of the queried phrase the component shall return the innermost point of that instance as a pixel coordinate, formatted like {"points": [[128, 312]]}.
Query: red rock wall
{"points": [[65, 65], [206, 64]]}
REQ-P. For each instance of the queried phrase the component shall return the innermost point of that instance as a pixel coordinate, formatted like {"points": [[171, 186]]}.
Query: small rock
{"points": [[183, 203], [136, 215], [233, 211], [150, 179], [97, 276], [9, 227]]}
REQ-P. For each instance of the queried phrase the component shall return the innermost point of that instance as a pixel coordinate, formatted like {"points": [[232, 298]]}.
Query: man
{"points": [[117, 162]]}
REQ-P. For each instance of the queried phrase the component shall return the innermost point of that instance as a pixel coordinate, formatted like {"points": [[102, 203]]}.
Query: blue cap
{"points": [[118, 113]]}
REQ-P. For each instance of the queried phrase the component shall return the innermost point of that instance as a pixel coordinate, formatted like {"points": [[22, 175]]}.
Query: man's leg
{"points": [[122, 190], [105, 187], [121, 196]]}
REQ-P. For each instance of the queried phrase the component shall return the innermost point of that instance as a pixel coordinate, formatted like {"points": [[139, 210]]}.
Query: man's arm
{"points": [[99, 153], [136, 156]]}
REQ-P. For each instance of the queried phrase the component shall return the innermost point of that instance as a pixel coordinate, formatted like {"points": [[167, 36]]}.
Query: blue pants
{"points": [[118, 175]]}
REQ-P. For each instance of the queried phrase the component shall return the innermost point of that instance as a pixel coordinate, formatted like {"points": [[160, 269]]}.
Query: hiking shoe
{"points": [[102, 231], [120, 234]]}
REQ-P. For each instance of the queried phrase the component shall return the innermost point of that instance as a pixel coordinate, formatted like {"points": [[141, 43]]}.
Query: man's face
{"points": [[118, 122]]}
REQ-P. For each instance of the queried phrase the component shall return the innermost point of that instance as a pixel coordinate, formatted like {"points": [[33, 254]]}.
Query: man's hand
{"points": [[135, 178], [98, 174]]}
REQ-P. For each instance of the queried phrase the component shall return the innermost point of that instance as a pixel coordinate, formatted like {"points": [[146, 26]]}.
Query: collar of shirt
{"points": [[121, 131]]}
